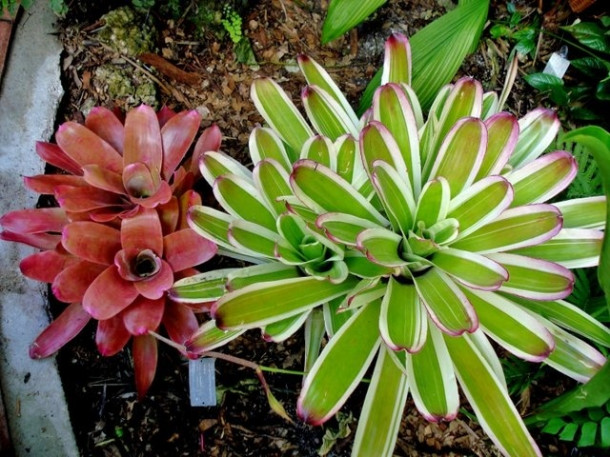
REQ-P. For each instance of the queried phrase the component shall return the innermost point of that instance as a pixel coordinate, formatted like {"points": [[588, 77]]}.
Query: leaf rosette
{"points": [[440, 239]]}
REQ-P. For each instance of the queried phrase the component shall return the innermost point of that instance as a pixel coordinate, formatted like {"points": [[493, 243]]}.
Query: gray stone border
{"points": [[31, 90]]}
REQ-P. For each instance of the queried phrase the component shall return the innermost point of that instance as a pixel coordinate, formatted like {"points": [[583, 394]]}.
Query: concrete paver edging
{"points": [[31, 90]]}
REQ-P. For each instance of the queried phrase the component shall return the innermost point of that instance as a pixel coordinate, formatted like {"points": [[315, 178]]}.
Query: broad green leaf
{"points": [[209, 337], [241, 199], [461, 154], [489, 399], [320, 149], [591, 35], [572, 356], [215, 163], [396, 60], [263, 303], [272, 182], [439, 49], [284, 329], [266, 272], [570, 248], [513, 229], [382, 410], [570, 317], [265, 144], [433, 203], [211, 224], [432, 379], [316, 75], [343, 15], [281, 114], [343, 228], [534, 278], [402, 323], [326, 114], [544, 82], [314, 334], [447, 305], [543, 178], [481, 203], [443, 232], [201, 288], [333, 271], [391, 107], [537, 129], [502, 135], [597, 141], [472, 270], [396, 195], [583, 213], [491, 104], [325, 191], [510, 326], [381, 246], [352, 348], [292, 228], [252, 238], [488, 352]]}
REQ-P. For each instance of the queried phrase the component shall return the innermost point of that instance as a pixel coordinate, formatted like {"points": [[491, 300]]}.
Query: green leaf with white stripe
{"points": [[583, 213], [447, 305], [433, 203], [359, 265], [320, 149], [281, 114], [211, 224], [318, 76], [348, 159], [201, 288], [513, 229], [543, 178], [572, 356], [323, 190], [343, 228], [272, 182], [326, 115], [314, 334], [381, 246], [215, 163], [460, 155], [481, 203], [261, 304], [432, 379], [209, 337], [353, 348], [570, 317], [265, 144], [335, 315], [403, 323], [571, 248], [534, 278], [391, 107], [511, 326], [378, 144], [242, 200], [471, 269], [252, 238], [282, 330], [396, 195], [382, 410], [397, 60], [502, 135], [266, 272], [537, 130], [489, 399]]}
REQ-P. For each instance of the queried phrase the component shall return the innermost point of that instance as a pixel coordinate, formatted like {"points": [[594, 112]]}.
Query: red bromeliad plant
{"points": [[119, 238]]}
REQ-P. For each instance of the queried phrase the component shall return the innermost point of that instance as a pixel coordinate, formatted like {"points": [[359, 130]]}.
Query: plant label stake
{"points": [[202, 382], [558, 63]]}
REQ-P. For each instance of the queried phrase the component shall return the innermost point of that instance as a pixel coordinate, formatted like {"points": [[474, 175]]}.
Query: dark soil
{"points": [[107, 418]]}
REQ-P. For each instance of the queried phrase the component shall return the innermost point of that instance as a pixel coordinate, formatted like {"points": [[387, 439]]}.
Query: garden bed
{"points": [[107, 417]]}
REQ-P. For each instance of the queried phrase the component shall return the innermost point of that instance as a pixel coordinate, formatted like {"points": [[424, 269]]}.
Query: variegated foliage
{"points": [[418, 241]]}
